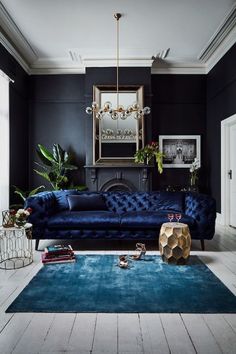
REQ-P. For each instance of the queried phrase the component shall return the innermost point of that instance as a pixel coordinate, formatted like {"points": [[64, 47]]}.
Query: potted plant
{"points": [[149, 153], [55, 166]]}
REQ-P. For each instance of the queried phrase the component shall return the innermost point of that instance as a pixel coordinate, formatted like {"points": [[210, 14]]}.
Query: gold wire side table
{"points": [[16, 249]]}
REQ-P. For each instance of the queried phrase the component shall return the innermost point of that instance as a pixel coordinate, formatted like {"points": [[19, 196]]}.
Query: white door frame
{"points": [[225, 128]]}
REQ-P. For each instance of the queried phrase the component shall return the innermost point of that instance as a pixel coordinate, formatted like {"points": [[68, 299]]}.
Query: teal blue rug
{"points": [[96, 284]]}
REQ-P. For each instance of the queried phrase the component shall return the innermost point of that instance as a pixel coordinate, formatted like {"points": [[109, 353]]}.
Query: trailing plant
{"points": [[54, 167], [148, 153]]}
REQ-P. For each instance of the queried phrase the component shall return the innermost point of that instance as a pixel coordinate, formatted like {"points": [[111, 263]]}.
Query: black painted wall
{"points": [[57, 115], [179, 108], [54, 111], [221, 104], [19, 148]]}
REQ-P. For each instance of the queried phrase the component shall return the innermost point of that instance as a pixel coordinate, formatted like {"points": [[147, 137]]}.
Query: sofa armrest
{"points": [[43, 205], [202, 208]]}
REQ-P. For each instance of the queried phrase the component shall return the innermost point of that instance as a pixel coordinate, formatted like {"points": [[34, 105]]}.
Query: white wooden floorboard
{"points": [[176, 334], [129, 334], [58, 336], [13, 331], [154, 339], [201, 336], [82, 334], [222, 331], [231, 320], [105, 338], [34, 336]]}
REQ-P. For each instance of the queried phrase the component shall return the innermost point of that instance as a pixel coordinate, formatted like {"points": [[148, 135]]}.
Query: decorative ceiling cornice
{"points": [[221, 41], [173, 67], [17, 39], [17, 45]]}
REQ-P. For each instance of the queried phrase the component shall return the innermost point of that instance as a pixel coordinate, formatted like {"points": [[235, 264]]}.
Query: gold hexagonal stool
{"points": [[174, 242]]}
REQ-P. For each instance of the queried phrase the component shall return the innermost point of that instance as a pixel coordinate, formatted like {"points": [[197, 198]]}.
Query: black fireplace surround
{"points": [[128, 177]]}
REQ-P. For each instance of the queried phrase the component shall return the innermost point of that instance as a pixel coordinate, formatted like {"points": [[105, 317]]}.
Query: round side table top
{"points": [[174, 224], [26, 226]]}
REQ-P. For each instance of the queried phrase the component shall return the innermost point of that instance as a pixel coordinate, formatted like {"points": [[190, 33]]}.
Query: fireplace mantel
{"points": [[134, 177]]}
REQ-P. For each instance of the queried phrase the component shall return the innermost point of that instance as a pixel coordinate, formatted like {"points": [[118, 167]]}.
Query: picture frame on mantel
{"points": [[180, 150]]}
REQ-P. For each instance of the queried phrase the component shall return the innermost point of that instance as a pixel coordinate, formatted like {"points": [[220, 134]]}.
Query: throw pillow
{"points": [[86, 202]]}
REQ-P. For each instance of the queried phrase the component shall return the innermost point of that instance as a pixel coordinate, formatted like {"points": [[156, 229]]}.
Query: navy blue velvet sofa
{"points": [[118, 215]]}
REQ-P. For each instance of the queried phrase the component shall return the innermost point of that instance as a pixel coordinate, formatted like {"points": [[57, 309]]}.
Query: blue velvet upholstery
{"points": [[86, 202], [149, 219], [84, 219], [134, 216]]}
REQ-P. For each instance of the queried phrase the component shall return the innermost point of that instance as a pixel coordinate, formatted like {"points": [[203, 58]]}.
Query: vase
{"points": [[20, 223], [8, 219]]}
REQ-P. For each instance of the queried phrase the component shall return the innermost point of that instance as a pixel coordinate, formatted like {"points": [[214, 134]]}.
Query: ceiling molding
{"points": [[56, 71], [222, 49], [171, 67], [9, 47], [112, 62], [221, 41], [11, 29]]}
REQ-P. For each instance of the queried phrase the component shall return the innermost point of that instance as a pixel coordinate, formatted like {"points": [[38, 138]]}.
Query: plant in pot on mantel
{"points": [[149, 154]]}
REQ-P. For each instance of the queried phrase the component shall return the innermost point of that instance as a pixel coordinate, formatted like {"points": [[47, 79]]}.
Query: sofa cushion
{"points": [[167, 201], [83, 219], [86, 202], [61, 198], [150, 219]]}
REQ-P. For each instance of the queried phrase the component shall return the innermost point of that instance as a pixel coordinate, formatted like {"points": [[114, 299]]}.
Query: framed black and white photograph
{"points": [[180, 150]]}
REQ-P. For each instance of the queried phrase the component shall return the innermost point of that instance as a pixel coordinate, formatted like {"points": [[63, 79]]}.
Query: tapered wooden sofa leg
{"points": [[203, 245], [36, 244]]}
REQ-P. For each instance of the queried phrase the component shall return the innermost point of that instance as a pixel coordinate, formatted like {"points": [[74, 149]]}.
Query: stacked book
{"points": [[58, 254]]}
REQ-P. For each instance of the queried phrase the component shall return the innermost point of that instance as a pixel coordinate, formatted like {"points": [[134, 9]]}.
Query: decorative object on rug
{"points": [[21, 216], [123, 261], [16, 247], [94, 283], [148, 153], [8, 218], [55, 166], [141, 251], [180, 150], [175, 242], [194, 168], [58, 254], [133, 110]]}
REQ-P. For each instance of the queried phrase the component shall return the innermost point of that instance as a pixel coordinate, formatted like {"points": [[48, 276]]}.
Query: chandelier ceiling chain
{"points": [[119, 112]]}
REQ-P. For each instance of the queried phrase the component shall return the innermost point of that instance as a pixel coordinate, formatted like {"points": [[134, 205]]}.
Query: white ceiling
{"points": [[43, 32]]}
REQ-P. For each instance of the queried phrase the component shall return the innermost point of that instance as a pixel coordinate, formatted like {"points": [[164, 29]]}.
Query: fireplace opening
{"points": [[117, 185]]}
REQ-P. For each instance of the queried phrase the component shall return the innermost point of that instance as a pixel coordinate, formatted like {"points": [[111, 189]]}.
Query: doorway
{"points": [[228, 172]]}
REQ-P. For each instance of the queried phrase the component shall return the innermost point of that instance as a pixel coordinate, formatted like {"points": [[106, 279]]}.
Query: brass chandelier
{"points": [[119, 112]]}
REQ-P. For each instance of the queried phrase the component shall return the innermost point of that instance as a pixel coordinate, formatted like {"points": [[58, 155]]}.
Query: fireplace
{"points": [[128, 177]]}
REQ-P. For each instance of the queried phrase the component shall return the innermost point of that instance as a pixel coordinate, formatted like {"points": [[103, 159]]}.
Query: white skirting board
{"points": [[219, 220]]}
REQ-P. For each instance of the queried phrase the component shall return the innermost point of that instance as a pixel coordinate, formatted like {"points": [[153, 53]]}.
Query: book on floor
{"points": [[57, 259], [58, 249]]}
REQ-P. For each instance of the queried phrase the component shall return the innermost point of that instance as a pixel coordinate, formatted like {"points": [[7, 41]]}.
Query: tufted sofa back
{"points": [[121, 202]]}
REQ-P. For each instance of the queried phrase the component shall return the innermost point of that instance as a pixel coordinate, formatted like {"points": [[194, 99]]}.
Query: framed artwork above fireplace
{"points": [[180, 150]]}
